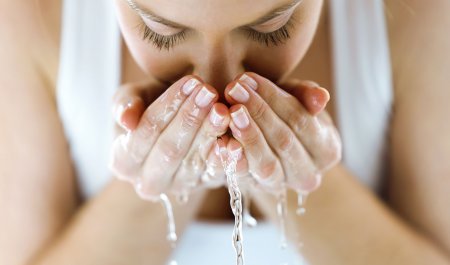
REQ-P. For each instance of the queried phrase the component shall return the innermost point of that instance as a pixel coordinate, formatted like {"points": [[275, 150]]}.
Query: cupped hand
{"points": [[167, 145], [288, 139]]}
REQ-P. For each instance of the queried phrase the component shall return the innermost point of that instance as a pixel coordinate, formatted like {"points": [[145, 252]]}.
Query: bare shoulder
{"points": [[37, 184], [418, 33], [32, 28], [419, 138]]}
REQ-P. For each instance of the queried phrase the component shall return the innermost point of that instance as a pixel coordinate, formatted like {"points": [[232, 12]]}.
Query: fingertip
{"points": [[319, 98], [226, 92], [219, 116], [130, 114]]}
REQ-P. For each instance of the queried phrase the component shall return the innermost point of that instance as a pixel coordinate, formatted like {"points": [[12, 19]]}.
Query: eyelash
{"points": [[275, 38]]}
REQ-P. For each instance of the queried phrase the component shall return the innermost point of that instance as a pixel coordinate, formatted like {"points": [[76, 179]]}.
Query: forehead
{"points": [[212, 13]]}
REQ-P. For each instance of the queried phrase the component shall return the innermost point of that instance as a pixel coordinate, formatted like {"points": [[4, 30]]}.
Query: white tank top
{"points": [[89, 74]]}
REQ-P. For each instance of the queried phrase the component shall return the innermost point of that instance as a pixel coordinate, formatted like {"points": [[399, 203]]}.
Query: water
{"points": [[171, 234], [249, 220], [282, 213], [301, 200], [229, 164], [183, 197]]}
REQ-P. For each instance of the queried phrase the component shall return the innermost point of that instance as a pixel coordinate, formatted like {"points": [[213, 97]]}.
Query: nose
{"points": [[219, 63]]}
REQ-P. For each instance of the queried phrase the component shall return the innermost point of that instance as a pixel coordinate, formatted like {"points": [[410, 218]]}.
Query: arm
{"points": [[345, 223], [41, 221]]}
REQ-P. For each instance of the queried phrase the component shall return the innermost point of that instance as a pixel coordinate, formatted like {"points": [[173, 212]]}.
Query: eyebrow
{"points": [[150, 15]]}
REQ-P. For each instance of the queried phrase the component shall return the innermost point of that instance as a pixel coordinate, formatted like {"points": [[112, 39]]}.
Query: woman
{"points": [[56, 213]]}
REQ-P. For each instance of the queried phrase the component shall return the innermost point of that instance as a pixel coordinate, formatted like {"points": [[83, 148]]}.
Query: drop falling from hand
{"points": [[171, 234], [301, 200]]}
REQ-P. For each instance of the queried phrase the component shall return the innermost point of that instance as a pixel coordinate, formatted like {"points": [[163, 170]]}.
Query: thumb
{"points": [[129, 105], [313, 97]]}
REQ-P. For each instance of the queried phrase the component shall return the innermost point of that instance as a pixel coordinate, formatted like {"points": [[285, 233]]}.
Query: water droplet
{"points": [[282, 212], [183, 198], [301, 200]]}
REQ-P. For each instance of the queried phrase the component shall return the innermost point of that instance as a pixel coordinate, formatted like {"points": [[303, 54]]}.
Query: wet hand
{"points": [[287, 139], [167, 144]]}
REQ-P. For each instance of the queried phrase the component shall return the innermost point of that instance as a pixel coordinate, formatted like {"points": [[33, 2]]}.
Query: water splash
{"points": [[229, 165]]}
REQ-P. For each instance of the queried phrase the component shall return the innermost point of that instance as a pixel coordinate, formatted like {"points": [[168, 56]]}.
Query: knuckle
{"points": [[171, 151], [260, 111], [250, 139], [194, 163], [267, 169], [149, 126], [189, 120], [286, 141], [298, 122]]}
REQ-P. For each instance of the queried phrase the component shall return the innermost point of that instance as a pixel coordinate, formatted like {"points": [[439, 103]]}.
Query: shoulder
{"points": [[419, 39], [30, 30], [419, 136]]}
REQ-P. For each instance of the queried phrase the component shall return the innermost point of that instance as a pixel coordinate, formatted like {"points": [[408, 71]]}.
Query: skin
{"points": [[54, 227], [139, 155]]}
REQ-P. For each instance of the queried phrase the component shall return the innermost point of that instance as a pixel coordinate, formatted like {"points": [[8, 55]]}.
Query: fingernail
{"points": [[239, 93], [240, 118], [250, 82], [326, 93], [119, 113], [189, 86], [216, 118], [204, 97], [220, 149]]}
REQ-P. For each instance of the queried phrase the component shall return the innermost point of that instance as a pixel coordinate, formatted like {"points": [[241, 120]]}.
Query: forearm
{"points": [[117, 227], [346, 224]]}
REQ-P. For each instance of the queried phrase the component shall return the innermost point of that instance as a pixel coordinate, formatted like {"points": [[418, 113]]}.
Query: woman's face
{"points": [[218, 39]]}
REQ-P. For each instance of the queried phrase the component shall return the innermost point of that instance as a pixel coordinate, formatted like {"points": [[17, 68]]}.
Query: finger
{"points": [[194, 163], [309, 93], [174, 142], [157, 116], [128, 151], [262, 162], [318, 136], [128, 104], [298, 167]]}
